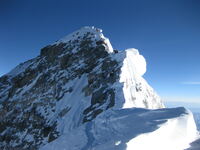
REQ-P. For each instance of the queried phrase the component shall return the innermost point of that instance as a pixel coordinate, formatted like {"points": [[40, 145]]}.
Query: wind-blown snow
{"points": [[69, 123], [136, 90], [136, 128], [136, 62], [175, 134]]}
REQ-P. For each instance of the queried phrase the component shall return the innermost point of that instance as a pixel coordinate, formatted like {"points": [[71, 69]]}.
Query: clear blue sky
{"points": [[167, 33]]}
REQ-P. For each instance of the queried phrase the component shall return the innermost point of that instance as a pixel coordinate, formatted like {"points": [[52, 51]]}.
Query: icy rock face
{"points": [[68, 85]]}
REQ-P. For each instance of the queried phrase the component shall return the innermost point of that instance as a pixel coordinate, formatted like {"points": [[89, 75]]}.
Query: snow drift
{"points": [[134, 128]]}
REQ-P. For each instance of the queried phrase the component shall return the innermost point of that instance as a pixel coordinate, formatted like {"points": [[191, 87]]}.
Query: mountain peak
{"points": [[68, 86], [92, 33], [83, 38], [81, 32]]}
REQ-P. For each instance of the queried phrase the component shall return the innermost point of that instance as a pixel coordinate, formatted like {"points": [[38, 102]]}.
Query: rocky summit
{"points": [[72, 83]]}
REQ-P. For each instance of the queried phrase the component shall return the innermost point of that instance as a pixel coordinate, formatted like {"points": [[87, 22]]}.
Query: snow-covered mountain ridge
{"points": [[81, 88]]}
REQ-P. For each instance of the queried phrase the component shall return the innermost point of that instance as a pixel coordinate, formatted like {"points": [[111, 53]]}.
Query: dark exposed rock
{"points": [[100, 42], [4, 79], [63, 112], [109, 74], [138, 87], [116, 51], [52, 51], [66, 61]]}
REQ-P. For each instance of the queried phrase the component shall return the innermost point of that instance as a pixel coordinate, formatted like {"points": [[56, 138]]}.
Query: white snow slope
{"points": [[124, 126], [132, 129], [135, 87]]}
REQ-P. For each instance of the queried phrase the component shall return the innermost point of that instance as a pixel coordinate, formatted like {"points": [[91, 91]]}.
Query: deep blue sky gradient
{"points": [[167, 34]]}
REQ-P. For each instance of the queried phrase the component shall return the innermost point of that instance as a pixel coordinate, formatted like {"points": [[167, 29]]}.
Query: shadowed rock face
{"points": [[28, 98]]}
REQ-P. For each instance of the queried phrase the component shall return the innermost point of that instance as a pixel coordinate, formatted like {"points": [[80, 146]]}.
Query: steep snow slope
{"points": [[136, 128], [72, 85], [193, 107], [135, 87]]}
